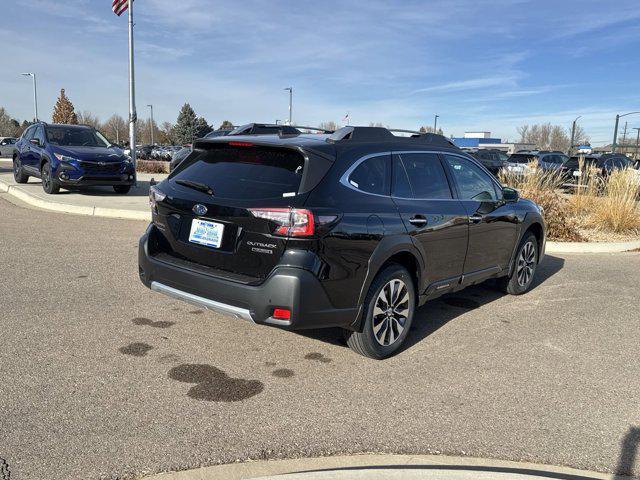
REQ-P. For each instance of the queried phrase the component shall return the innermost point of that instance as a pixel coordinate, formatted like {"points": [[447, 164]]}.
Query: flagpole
{"points": [[133, 117]]}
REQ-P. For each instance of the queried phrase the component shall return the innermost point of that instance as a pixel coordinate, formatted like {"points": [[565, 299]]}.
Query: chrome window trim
{"points": [[344, 179]]}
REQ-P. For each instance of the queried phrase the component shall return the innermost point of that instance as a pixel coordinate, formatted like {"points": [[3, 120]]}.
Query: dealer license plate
{"points": [[206, 233]]}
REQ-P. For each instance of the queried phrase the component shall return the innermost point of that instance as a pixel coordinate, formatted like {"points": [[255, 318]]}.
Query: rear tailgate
{"points": [[253, 188]]}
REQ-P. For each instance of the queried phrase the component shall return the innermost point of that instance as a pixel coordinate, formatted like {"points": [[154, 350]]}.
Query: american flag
{"points": [[119, 6]]}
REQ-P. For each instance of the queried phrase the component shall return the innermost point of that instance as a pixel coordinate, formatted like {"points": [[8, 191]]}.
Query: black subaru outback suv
{"points": [[355, 229]]}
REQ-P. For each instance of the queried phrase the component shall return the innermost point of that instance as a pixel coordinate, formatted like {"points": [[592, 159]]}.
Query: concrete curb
{"points": [[427, 467], [591, 247], [29, 199]]}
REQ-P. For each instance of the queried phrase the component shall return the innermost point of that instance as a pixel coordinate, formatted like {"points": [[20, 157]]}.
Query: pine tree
{"points": [[64, 112], [226, 125], [185, 129], [202, 127]]}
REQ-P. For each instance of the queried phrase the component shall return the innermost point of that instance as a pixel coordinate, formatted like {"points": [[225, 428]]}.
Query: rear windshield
{"points": [[521, 158], [246, 173]]}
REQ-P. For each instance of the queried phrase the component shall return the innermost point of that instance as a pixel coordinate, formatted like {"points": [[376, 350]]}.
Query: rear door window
{"points": [[246, 172], [372, 175], [426, 175]]}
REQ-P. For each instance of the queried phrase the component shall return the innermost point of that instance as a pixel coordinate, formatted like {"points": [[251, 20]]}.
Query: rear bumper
{"points": [[288, 287]]}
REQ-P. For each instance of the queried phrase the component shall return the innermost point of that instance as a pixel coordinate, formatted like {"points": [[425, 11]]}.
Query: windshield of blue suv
{"points": [[75, 137]]}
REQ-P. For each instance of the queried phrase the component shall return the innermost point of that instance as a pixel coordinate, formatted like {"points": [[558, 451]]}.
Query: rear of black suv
{"points": [[354, 230], [230, 232]]}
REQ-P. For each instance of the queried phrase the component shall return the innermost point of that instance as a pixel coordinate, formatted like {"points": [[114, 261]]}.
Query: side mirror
{"points": [[35, 142], [510, 194]]}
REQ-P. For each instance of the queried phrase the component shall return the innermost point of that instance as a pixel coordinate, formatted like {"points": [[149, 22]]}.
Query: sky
{"points": [[481, 66]]}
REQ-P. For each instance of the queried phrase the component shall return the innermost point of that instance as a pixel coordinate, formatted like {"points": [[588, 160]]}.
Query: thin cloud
{"points": [[471, 84]]}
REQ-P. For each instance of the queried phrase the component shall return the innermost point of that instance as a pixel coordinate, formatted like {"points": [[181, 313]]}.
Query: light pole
{"points": [[573, 134], [435, 123], [637, 141], [290, 90], [151, 108], [35, 94], [615, 130]]}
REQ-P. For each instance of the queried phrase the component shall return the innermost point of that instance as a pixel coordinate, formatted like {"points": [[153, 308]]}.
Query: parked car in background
{"points": [[179, 156], [577, 167], [144, 152], [264, 129], [519, 162], [70, 156], [7, 146], [492, 159], [317, 230], [218, 133]]}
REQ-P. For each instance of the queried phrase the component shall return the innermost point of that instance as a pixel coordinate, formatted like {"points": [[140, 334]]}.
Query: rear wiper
{"points": [[196, 186]]}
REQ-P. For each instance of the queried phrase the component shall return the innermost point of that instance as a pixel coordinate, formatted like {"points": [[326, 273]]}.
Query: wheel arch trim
{"points": [[387, 249]]}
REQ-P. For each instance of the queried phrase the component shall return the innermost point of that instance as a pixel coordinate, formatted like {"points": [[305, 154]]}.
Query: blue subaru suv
{"points": [[70, 156]]}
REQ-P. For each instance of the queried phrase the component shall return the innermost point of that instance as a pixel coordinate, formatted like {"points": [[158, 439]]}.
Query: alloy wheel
{"points": [[390, 312], [16, 167], [526, 264], [46, 177]]}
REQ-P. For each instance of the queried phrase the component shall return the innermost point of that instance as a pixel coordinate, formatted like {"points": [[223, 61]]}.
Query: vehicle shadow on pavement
{"points": [[628, 454], [436, 313]]}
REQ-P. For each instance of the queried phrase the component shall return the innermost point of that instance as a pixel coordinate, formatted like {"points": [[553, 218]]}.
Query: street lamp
{"points": [[573, 135], [615, 130], [151, 108], [290, 90], [35, 94], [435, 123], [637, 141]]}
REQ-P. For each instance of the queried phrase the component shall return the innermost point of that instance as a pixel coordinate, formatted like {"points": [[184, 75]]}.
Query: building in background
{"points": [[480, 140]]}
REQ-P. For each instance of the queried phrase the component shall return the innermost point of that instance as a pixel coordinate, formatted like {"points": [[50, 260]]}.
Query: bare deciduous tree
{"points": [[87, 118], [427, 129], [115, 128], [331, 125], [164, 136], [9, 127], [550, 137]]}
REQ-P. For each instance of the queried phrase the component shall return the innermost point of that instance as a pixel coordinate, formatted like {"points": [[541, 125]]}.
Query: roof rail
{"points": [[370, 134], [323, 130]]}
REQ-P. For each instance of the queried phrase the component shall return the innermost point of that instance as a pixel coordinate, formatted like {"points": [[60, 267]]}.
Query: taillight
{"points": [[155, 196], [241, 144], [292, 222]]}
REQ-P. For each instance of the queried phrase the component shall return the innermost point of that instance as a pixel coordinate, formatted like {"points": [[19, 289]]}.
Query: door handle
{"points": [[418, 220], [475, 218]]}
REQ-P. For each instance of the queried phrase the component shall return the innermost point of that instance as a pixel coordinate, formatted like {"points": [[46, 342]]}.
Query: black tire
{"points": [[122, 188], [18, 172], [49, 184], [520, 281], [386, 324]]}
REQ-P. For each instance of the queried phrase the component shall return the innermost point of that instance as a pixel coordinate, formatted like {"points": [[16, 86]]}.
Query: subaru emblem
{"points": [[102, 164], [199, 209]]}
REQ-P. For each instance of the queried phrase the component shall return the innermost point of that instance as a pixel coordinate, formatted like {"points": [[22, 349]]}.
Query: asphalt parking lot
{"points": [[101, 378]]}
